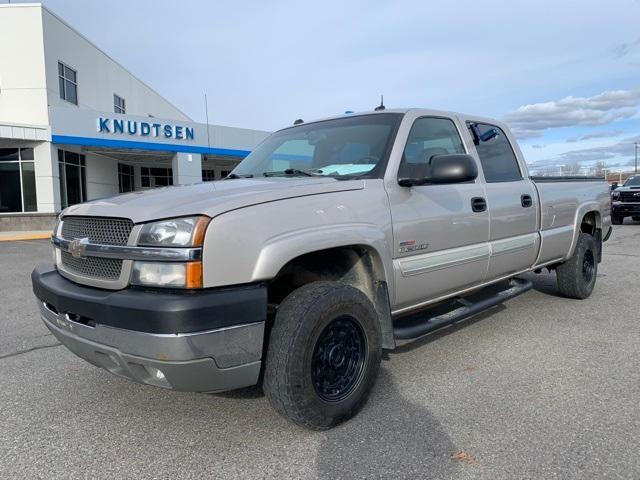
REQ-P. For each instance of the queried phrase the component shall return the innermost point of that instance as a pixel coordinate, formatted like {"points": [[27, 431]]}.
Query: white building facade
{"points": [[75, 125]]}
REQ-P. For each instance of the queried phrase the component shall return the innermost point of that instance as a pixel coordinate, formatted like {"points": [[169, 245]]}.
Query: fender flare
{"points": [[282, 249], [581, 211]]}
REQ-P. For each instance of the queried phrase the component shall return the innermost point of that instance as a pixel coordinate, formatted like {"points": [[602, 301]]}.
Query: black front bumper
{"points": [[151, 311], [625, 209]]}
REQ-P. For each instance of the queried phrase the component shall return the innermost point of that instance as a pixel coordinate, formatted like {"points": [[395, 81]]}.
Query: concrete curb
{"points": [[15, 236]]}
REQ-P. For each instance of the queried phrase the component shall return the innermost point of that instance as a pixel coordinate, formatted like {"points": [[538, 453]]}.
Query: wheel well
{"points": [[357, 265], [590, 223]]}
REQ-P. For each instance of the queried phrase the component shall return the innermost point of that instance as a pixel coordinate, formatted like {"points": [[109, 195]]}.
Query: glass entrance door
{"points": [[73, 184]]}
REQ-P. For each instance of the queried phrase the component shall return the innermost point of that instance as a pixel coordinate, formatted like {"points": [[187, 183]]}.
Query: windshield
{"points": [[348, 147], [632, 181]]}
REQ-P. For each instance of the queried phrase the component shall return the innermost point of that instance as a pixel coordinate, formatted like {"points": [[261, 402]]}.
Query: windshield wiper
{"points": [[233, 176], [293, 171]]}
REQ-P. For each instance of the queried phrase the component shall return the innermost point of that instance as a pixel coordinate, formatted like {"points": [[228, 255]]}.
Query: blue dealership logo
{"points": [[144, 129]]}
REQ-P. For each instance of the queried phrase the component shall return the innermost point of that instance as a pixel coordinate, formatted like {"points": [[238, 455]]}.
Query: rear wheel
{"points": [[323, 356], [617, 219], [577, 276]]}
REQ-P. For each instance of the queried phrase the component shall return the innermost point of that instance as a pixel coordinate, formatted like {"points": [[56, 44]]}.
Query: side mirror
{"points": [[451, 168]]}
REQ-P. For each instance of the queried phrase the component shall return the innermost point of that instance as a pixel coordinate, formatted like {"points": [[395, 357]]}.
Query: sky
{"points": [[564, 74]]}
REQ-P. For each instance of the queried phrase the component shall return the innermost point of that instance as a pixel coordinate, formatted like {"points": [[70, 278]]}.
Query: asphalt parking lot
{"points": [[542, 387]]}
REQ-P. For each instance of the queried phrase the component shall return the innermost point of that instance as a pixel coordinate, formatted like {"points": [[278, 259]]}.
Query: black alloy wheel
{"points": [[338, 360], [323, 354], [588, 266]]}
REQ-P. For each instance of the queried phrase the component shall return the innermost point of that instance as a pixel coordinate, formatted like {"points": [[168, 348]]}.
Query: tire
{"points": [[617, 220], [577, 276], [635, 219], [304, 355]]}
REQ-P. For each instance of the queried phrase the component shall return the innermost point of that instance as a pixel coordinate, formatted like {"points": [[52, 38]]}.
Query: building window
{"points": [[125, 178], [17, 180], [118, 104], [156, 177], [208, 175], [68, 83], [73, 182]]}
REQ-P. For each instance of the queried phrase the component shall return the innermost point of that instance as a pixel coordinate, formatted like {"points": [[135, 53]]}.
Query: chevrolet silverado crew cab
{"points": [[626, 201], [331, 241]]}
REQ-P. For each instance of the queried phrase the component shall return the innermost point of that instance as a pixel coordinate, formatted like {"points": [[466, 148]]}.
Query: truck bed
{"points": [[562, 200]]}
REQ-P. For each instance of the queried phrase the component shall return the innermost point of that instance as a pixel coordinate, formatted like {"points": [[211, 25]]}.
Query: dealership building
{"points": [[75, 125]]}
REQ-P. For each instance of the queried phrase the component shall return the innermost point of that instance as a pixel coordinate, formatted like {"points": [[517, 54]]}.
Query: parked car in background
{"points": [[626, 201], [309, 258]]}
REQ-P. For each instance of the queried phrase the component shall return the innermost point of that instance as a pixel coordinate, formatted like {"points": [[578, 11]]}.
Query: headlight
{"points": [[615, 195], [176, 232], [168, 275]]}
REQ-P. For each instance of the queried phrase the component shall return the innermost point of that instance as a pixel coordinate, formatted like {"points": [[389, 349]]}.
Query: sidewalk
{"points": [[28, 235]]}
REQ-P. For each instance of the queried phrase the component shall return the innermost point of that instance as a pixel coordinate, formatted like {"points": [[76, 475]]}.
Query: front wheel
{"points": [[635, 218], [617, 219], [577, 276], [323, 355]]}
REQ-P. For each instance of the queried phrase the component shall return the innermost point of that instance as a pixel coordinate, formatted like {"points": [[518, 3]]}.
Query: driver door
{"points": [[440, 232]]}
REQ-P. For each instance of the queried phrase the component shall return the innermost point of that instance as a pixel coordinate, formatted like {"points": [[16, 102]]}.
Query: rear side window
{"points": [[429, 136], [498, 161]]}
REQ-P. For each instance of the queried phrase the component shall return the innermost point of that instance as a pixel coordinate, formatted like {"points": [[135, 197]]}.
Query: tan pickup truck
{"points": [[331, 241]]}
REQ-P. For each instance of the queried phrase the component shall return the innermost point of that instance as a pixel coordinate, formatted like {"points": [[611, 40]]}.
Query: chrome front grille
{"points": [[99, 230], [93, 267], [103, 230]]}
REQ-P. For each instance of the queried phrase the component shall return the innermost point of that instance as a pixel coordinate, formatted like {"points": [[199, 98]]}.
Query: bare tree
{"points": [[599, 168], [572, 169]]}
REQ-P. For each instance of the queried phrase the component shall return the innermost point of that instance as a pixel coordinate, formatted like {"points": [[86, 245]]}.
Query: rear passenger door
{"points": [[511, 201]]}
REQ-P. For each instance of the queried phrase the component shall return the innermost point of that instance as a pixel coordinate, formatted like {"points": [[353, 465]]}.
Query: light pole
{"points": [[635, 170]]}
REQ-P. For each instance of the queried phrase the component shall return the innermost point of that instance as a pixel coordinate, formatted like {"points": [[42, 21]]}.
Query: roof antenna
{"points": [[381, 106], [298, 121]]}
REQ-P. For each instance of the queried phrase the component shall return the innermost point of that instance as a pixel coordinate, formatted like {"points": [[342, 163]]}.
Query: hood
{"points": [[634, 188], [208, 198]]}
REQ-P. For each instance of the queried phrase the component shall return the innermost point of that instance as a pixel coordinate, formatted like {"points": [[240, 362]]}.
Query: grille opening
{"points": [[93, 267], [629, 197], [103, 230], [50, 307], [98, 230], [75, 318]]}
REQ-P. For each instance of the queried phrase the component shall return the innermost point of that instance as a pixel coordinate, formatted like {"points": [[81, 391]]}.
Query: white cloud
{"points": [[601, 109], [617, 154], [597, 134], [603, 134], [522, 133]]}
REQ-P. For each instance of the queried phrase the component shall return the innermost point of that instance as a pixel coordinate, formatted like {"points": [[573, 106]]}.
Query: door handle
{"points": [[478, 204], [526, 200]]}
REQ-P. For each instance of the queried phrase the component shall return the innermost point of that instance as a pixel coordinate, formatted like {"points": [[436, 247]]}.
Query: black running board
{"points": [[420, 324]]}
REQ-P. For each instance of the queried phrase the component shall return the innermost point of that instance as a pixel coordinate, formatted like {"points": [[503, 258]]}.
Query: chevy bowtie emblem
{"points": [[77, 246], [636, 194]]}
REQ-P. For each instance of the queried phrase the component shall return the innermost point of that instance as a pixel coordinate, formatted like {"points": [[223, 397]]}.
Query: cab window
{"points": [[429, 136], [497, 158]]}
